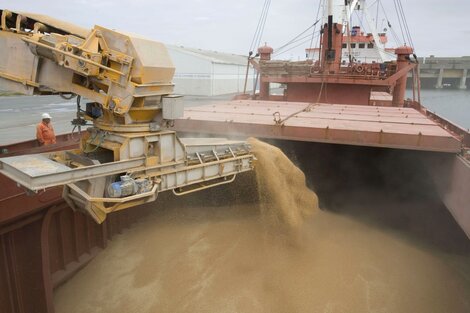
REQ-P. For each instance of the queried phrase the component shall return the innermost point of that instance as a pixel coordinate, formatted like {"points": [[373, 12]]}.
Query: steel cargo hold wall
{"points": [[43, 242]]}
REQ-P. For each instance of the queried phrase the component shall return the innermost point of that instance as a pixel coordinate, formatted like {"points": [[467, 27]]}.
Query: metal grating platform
{"points": [[391, 127]]}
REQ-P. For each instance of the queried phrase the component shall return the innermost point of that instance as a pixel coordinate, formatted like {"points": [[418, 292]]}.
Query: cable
{"points": [[100, 142], [315, 28], [257, 27], [310, 37], [360, 20], [264, 23], [72, 134], [405, 22], [300, 44], [394, 33], [399, 21], [261, 25], [293, 40], [308, 108], [377, 15], [298, 38]]}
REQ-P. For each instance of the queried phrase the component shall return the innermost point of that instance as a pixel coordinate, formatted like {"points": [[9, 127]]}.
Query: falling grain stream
{"points": [[262, 245]]}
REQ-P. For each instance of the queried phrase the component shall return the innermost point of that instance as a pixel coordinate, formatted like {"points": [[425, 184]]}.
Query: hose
{"points": [[69, 97], [100, 142]]}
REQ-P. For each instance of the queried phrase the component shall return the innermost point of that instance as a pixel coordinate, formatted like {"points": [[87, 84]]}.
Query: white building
{"points": [[208, 73]]}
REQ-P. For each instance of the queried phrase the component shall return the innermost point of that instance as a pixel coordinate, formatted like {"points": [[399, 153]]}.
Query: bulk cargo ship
{"points": [[61, 203]]}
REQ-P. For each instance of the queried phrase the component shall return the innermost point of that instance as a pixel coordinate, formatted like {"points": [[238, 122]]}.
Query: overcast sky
{"points": [[438, 27]]}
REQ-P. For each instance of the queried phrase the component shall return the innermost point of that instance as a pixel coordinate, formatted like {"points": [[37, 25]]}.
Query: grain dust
{"points": [[284, 199]]}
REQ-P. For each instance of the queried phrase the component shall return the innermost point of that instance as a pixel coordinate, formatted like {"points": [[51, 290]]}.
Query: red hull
{"points": [[43, 241]]}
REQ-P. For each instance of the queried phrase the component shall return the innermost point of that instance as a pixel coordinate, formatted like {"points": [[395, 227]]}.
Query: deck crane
{"points": [[130, 153]]}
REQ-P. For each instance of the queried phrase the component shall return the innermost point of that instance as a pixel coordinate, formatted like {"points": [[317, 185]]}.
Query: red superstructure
{"points": [[329, 80], [358, 46]]}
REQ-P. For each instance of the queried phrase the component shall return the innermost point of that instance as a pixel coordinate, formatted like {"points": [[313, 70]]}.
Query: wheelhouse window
{"points": [[344, 46], [353, 45], [362, 45], [370, 45]]}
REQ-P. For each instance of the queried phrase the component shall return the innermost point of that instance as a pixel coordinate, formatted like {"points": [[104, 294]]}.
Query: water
{"points": [[454, 105]]}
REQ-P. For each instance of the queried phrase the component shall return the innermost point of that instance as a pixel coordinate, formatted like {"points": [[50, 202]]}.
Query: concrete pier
{"points": [[463, 80], [440, 78], [441, 72]]}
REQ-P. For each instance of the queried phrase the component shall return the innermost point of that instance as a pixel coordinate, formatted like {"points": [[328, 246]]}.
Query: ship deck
{"points": [[388, 127]]}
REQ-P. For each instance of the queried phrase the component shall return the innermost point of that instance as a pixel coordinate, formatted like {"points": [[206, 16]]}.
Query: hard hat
{"points": [[46, 115]]}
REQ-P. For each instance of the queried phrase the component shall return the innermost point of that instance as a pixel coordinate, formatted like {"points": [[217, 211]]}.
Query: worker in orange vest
{"points": [[45, 132]]}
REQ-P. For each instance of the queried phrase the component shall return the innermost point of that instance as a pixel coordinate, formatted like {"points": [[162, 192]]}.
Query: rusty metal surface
{"points": [[459, 131], [11, 194], [330, 93], [390, 127], [43, 242], [64, 142], [42, 250], [51, 22], [452, 178], [457, 197], [54, 58], [35, 165]]}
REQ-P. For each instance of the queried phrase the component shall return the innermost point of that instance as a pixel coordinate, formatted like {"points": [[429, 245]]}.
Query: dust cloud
{"points": [[219, 251]]}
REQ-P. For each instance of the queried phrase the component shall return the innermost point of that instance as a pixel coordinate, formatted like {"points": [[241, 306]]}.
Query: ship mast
{"points": [[337, 9], [378, 44], [341, 12], [332, 38], [360, 5]]}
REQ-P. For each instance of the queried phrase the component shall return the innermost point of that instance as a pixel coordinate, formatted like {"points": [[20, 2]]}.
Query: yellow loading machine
{"points": [[129, 154]]}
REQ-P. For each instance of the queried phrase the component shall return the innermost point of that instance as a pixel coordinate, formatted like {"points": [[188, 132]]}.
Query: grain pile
{"points": [[211, 252]]}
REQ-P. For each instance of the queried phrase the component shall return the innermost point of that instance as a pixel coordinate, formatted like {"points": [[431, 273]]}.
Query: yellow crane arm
{"points": [[125, 74]]}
